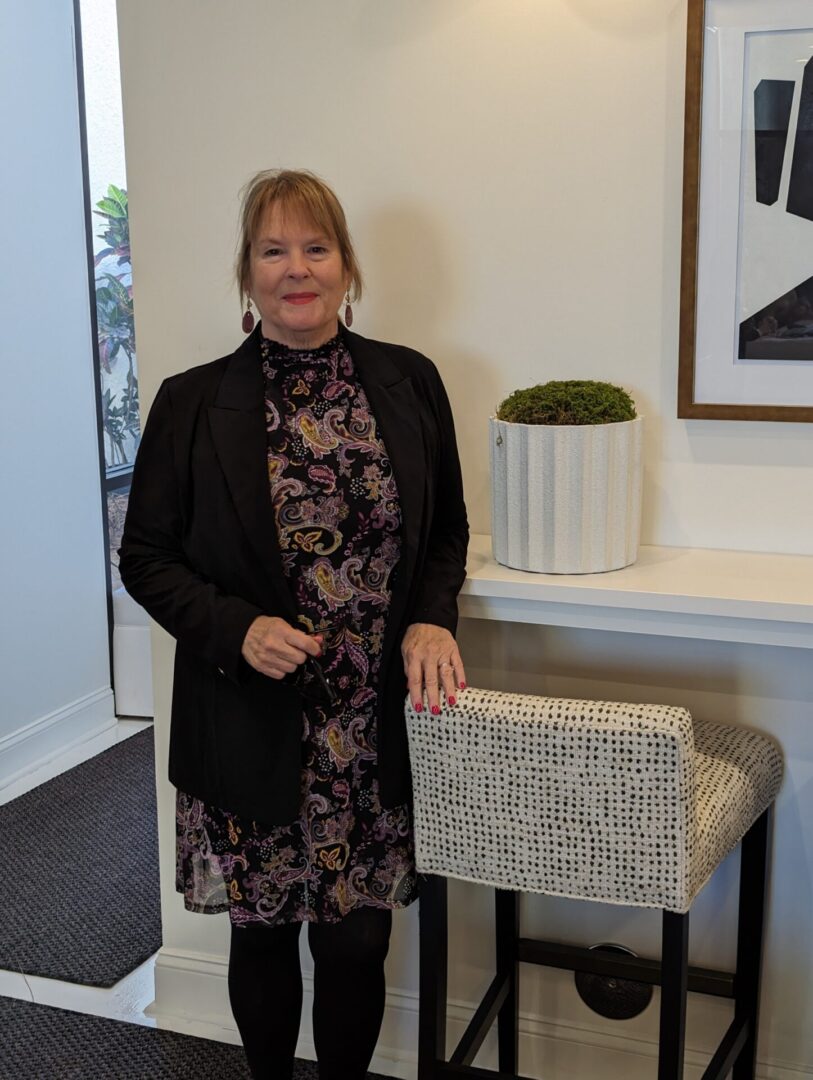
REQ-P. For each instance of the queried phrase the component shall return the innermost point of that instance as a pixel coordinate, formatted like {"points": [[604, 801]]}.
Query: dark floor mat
{"points": [[38, 1042], [79, 891]]}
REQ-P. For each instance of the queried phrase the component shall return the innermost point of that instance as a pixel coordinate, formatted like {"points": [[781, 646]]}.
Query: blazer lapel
{"points": [[396, 410], [237, 422]]}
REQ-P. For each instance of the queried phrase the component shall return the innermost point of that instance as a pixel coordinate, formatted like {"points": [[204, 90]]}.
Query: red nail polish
{"points": [[435, 710], [452, 699], [418, 707], [462, 686]]}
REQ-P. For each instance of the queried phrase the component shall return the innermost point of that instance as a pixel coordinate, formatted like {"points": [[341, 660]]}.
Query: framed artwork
{"points": [[746, 310]]}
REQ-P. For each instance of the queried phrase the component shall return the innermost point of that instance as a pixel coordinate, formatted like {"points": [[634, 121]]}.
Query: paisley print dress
{"points": [[338, 521]]}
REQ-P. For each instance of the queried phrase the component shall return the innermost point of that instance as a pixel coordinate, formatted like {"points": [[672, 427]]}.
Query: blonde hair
{"points": [[294, 191]]}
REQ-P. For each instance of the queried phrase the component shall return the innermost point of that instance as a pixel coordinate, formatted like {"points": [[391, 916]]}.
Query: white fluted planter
{"points": [[566, 499]]}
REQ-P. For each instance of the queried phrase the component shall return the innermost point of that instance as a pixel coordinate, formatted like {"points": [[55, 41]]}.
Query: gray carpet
{"points": [[38, 1042], [79, 890]]}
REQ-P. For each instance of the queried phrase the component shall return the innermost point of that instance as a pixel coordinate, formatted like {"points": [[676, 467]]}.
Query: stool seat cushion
{"points": [[738, 774], [607, 801]]}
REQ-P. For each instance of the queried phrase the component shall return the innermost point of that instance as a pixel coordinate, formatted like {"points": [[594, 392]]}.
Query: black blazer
{"points": [[200, 553]]}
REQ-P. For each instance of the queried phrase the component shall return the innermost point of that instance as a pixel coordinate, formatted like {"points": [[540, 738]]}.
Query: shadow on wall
{"points": [[626, 18], [420, 295], [408, 272], [382, 25], [621, 18]]}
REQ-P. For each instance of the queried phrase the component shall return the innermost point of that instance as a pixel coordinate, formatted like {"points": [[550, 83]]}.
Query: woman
{"points": [[301, 621]]}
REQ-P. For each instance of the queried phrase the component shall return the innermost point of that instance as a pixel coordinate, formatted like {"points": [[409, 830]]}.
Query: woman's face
{"points": [[297, 280]]}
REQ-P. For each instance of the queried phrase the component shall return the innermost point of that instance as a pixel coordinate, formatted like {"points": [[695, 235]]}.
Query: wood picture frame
{"points": [[778, 388]]}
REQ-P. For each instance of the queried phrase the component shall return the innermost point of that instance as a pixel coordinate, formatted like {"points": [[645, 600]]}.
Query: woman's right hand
{"points": [[275, 648]]}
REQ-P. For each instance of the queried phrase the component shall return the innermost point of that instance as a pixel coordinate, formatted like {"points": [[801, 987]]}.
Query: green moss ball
{"points": [[568, 401]]}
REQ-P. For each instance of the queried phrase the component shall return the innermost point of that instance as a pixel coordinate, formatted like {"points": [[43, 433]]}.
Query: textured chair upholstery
{"points": [[593, 800]]}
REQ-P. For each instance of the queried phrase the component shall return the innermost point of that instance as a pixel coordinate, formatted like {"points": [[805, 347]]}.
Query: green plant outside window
{"points": [[115, 325]]}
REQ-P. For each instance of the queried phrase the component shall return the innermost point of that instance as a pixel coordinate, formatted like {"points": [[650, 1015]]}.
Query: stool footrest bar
{"points": [[482, 1020], [727, 1052], [471, 1072], [595, 962]]}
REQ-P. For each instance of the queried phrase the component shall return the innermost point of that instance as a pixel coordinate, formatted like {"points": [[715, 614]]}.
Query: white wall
{"points": [[512, 174], [55, 685]]}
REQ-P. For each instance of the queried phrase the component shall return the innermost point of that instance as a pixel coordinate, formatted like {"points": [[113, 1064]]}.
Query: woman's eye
{"points": [[273, 251], [317, 249]]}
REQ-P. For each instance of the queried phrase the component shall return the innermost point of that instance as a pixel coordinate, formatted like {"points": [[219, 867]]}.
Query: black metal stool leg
{"points": [[433, 960], [753, 877], [506, 911], [674, 985]]}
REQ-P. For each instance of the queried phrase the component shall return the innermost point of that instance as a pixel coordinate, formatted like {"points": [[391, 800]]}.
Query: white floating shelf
{"points": [[677, 592]]}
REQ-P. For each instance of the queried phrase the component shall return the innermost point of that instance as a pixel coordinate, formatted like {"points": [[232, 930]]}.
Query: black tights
{"points": [[265, 990]]}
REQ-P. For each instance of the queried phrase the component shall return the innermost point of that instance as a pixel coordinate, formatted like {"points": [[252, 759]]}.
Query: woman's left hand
{"points": [[431, 662]]}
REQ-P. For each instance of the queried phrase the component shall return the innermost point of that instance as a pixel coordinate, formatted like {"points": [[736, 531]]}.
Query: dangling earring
{"points": [[248, 318], [348, 311]]}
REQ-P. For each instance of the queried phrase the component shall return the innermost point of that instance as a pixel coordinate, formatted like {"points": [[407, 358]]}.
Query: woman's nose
{"points": [[297, 265]]}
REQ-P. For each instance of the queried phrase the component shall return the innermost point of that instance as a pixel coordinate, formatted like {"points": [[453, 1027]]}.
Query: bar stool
{"points": [[626, 804]]}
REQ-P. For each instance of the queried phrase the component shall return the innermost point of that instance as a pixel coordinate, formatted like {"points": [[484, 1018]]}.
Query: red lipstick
{"points": [[299, 297]]}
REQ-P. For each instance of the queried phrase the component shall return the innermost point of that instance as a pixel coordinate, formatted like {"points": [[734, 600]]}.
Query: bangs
{"points": [[294, 202]]}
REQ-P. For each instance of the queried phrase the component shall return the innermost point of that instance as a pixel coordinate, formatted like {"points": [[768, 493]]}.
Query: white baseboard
{"points": [[27, 755], [191, 996]]}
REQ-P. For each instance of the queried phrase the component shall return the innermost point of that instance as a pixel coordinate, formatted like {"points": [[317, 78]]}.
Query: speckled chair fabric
{"points": [[594, 800]]}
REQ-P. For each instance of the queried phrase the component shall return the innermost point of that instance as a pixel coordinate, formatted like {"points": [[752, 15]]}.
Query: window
{"points": [[107, 180]]}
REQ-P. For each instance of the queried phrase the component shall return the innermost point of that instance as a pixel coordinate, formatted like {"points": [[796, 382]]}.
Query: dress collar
{"points": [[277, 353]]}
